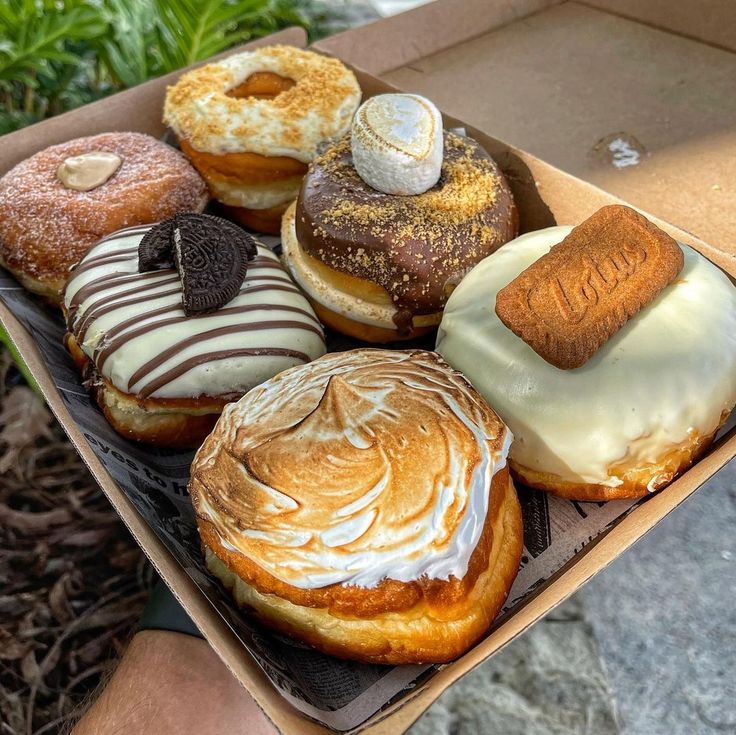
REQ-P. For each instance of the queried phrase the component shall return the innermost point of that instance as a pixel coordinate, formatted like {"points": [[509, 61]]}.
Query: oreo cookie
{"points": [[156, 249], [211, 255]]}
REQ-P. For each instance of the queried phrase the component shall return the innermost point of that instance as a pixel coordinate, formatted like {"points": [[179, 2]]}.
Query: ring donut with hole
{"points": [[252, 122]]}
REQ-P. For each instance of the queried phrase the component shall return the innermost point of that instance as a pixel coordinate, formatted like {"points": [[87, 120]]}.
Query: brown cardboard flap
{"points": [[710, 21], [392, 42], [568, 81], [138, 109]]}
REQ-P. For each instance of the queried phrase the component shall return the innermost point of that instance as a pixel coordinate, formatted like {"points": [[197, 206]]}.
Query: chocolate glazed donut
{"points": [[417, 248]]}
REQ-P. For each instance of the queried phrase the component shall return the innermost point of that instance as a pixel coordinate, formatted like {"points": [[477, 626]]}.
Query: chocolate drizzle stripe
{"points": [[93, 287], [119, 299], [208, 334], [256, 289], [126, 232], [83, 329], [197, 360], [108, 344], [263, 262], [268, 279], [95, 311], [112, 342], [106, 258]]}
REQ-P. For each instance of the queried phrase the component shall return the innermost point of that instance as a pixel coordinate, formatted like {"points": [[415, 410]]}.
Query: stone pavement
{"points": [[547, 682], [648, 647], [664, 618]]}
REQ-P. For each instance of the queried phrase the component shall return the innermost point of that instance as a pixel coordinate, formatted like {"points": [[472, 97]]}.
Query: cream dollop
{"points": [[87, 171], [361, 466], [396, 142], [670, 371]]}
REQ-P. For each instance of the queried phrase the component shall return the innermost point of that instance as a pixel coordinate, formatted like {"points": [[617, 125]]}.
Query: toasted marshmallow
{"points": [[396, 143]]}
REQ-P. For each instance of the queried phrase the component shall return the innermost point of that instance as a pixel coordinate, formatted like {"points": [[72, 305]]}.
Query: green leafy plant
{"points": [[40, 55], [9, 345], [58, 54]]}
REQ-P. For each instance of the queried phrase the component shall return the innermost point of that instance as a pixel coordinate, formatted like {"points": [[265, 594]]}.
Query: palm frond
{"points": [[39, 40], [192, 30]]}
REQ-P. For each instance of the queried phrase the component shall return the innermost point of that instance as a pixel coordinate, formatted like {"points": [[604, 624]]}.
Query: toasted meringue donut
{"points": [[637, 414], [252, 122], [396, 142], [161, 376], [362, 504]]}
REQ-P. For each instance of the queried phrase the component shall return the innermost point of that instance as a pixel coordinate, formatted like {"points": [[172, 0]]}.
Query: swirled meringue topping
{"points": [[357, 467]]}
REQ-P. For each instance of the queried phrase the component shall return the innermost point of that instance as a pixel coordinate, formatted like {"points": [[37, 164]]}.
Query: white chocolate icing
{"points": [[396, 142], [669, 372], [361, 466], [125, 322], [318, 108]]}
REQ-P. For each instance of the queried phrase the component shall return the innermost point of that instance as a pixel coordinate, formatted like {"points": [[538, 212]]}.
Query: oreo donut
{"points": [[169, 323], [56, 204], [380, 267]]}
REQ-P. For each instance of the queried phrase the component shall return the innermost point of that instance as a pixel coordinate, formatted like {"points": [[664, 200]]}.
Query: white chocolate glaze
{"points": [[669, 372], [358, 467], [396, 142], [319, 107], [132, 327]]}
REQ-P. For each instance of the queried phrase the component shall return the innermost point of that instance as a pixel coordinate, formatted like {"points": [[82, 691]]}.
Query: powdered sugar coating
{"points": [[45, 228]]}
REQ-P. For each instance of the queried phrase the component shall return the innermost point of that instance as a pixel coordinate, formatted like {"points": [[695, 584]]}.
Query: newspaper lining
{"points": [[339, 694]]}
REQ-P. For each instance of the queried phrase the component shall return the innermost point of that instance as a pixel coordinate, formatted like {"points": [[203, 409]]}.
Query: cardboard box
{"points": [[565, 80], [544, 194]]}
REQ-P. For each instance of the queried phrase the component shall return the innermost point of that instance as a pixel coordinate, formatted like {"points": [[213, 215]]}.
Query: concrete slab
{"points": [[664, 616], [548, 682]]}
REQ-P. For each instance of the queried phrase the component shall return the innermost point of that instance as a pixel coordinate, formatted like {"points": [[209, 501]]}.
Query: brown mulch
{"points": [[72, 580]]}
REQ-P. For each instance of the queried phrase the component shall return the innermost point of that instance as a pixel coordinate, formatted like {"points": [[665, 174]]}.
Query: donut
{"points": [[160, 376], [638, 413], [252, 122], [46, 226], [380, 267], [362, 505]]}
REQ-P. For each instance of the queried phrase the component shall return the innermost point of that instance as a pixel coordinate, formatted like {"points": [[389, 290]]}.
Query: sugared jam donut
{"points": [[55, 205], [162, 353], [380, 267], [362, 504], [252, 122], [638, 412]]}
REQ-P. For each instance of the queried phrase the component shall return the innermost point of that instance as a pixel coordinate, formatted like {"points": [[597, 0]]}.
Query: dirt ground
{"points": [[72, 580]]}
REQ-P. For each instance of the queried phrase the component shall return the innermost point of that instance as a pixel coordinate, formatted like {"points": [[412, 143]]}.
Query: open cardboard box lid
{"points": [[544, 195], [566, 80]]}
